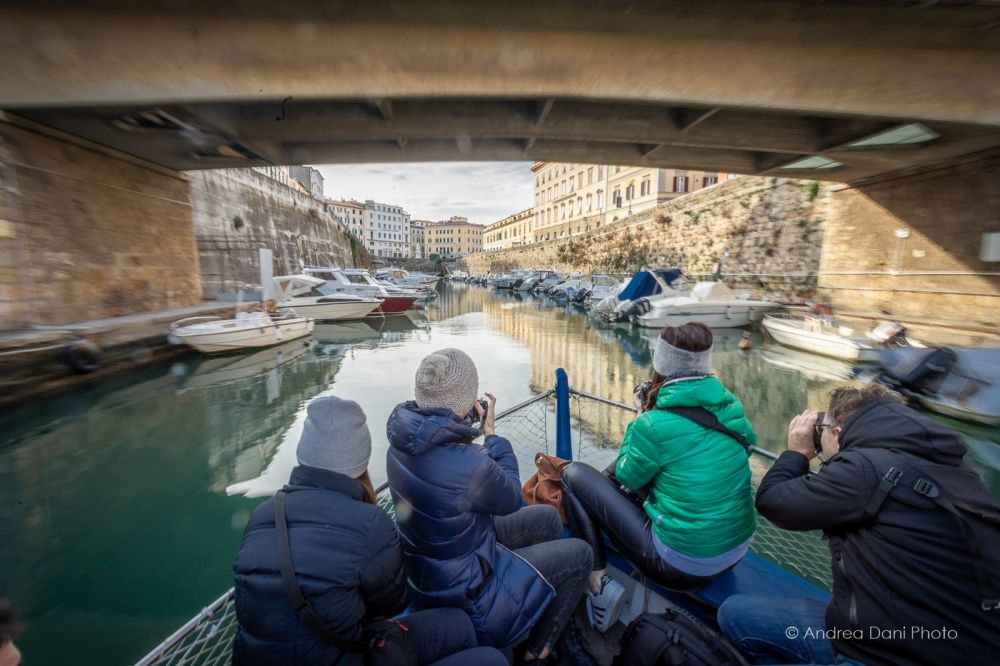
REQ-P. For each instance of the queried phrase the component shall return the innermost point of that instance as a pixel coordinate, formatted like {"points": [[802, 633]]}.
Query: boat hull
{"points": [[333, 311], [818, 343], [710, 314], [248, 337], [395, 304]]}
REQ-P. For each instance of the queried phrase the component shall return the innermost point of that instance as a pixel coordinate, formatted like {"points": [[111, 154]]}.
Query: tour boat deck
{"points": [[781, 563]]}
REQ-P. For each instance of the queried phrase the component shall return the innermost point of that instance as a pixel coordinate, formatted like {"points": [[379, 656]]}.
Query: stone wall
{"points": [[237, 211], [87, 233], [764, 234], [933, 274]]}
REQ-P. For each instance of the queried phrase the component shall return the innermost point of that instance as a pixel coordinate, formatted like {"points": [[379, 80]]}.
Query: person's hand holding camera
{"points": [[488, 415], [800, 433]]}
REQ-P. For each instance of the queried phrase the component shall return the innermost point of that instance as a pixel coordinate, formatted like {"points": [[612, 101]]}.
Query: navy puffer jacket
{"points": [[447, 491], [347, 561]]}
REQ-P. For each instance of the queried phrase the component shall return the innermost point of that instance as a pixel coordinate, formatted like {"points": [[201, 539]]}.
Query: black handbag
{"points": [[383, 642]]}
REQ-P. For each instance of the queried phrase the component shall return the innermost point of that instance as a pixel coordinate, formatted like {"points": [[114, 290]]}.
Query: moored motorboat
{"points": [[358, 282], [822, 335], [710, 303], [642, 285], [961, 382], [310, 296], [249, 330]]}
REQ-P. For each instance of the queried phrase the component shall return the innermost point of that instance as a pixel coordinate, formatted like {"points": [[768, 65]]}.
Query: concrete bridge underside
{"points": [[745, 87]]}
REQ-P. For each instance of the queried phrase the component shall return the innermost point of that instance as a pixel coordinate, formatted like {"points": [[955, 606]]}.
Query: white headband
{"points": [[672, 362]]}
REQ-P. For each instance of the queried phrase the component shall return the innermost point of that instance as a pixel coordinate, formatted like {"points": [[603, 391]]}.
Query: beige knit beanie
{"points": [[447, 378]]}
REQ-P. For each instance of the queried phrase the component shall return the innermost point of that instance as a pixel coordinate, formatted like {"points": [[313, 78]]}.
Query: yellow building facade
{"points": [[516, 229], [455, 237], [574, 198]]}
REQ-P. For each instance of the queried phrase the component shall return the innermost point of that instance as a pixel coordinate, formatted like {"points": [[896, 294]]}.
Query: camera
{"points": [[818, 432], [643, 390], [473, 415]]}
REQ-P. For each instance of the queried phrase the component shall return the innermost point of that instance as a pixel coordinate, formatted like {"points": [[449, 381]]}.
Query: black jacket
{"points": [[908, 569], [347, 561]]}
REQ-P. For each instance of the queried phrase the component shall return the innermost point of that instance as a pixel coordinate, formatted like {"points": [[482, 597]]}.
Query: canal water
{"points": [[122, 504]]}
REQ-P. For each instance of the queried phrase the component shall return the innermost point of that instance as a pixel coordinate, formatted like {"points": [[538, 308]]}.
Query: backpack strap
{"points": [[307, 615], [707, 420], [925, 486]]}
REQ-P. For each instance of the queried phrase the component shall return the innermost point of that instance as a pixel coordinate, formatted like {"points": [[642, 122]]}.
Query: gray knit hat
{"points": [[447, 378], [335, 437]]}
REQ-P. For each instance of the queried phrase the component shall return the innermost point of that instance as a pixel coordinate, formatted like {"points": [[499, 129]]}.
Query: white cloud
{"points": [[482, 191]]}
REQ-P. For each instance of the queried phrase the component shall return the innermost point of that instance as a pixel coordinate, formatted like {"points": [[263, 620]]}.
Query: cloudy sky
{"points": [[484, 192]]}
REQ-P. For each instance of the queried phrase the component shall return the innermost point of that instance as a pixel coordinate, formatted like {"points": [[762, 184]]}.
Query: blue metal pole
{"points": [[564, 445]]}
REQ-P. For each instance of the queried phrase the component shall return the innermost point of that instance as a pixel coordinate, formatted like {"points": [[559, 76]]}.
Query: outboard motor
{"points": [[638, 308], [581, 296], [517, 283], [914, 369]]}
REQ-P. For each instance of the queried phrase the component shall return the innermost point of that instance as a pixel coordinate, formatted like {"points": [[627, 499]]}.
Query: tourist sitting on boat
{"points": [[9, 629], [321, 563], [689, 449], [914, 534], [467, 541]]}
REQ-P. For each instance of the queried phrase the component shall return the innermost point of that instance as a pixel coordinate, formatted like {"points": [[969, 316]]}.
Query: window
{"points": [[590, 176], [680, 183], [644, 187], [600, 199], [630, 191], [616, 198], [590, 203]]}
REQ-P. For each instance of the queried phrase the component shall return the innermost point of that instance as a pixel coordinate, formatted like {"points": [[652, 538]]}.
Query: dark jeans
{"points": [[779, 630], [595, 506], [535, 533], [446, 637]]}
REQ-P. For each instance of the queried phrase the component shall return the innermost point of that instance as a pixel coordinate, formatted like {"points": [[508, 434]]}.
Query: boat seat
{"points": [[759, 577]]}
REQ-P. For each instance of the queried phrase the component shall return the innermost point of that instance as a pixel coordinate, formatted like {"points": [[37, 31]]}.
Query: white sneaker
{"points": [[604, 607]]}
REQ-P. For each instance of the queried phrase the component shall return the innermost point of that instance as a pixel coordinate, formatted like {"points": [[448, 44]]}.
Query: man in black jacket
{"points": [[914, 535]]}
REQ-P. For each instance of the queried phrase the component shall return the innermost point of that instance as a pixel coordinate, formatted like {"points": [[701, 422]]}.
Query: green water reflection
{"points": [[115, 521]]}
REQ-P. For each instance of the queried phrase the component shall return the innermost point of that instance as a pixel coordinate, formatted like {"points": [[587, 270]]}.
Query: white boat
{"points": [[819, 335], [310, 296], [358, 282], [710, 303], [249, 330], [403, 278], [600, 286]]}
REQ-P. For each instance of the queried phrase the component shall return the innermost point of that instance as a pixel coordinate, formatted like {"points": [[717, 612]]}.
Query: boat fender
{"points": [[821, 309], [729, 312], [82, 356], [277, 334]]}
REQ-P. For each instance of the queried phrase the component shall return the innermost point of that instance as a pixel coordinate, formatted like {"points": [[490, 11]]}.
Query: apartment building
{"points": [[352, 213], [386, 229], [455, 237], [417, 229], [574, 198], [516, 229], [310, 179]]}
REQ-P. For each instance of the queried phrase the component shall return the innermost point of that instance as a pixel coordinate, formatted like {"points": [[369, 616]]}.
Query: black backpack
{"points": [[673, 638]]}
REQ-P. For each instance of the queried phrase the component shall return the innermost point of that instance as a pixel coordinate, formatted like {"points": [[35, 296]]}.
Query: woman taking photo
{"points": [[320, 566], [468, 543], [687, 451]]}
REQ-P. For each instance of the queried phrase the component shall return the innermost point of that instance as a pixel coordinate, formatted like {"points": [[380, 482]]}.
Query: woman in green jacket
{"points": [[688, 451]]}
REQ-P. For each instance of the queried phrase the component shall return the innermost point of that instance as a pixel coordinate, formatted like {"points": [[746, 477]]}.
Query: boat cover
{"points": [[643, 283]]}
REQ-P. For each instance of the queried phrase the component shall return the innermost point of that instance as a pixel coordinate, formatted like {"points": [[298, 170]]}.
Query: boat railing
{"points": [[180, 323], [570, 423]]}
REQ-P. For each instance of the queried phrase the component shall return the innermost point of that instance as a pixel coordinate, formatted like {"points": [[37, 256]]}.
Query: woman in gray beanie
{"points": [[320, 566], [467, 541]]}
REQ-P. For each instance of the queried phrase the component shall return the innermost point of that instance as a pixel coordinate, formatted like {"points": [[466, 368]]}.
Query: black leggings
{"points": [[595, 505]]}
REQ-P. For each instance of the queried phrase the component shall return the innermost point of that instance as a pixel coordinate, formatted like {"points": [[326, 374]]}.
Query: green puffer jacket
{"points": [[700, 500]]}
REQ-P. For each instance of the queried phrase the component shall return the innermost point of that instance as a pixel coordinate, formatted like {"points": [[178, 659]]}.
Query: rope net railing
{"points": [[597, 426]]}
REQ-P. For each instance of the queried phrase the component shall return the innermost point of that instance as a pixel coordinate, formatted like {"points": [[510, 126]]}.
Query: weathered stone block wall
{"points": [[936, 273], [87, 233], [237, 211], [765, 233]]}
